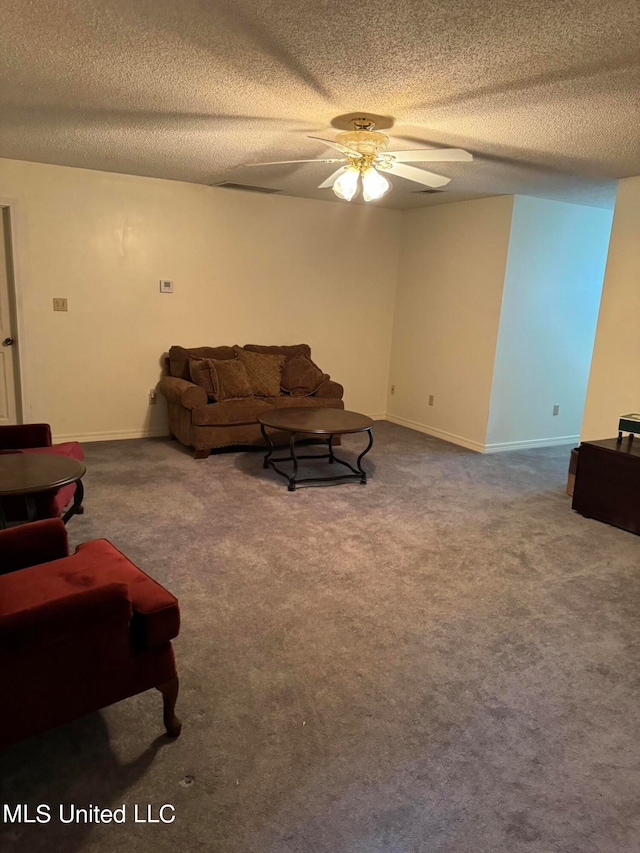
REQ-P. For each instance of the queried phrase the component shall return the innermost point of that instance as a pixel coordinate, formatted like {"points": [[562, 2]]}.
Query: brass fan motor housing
{"points": [[364, 139]]}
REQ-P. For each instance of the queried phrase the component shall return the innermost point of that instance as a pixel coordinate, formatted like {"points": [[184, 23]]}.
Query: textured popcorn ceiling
{"points": [[544, 93]]}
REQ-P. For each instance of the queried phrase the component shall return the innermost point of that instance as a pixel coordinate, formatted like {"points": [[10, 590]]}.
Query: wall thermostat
{"points": [[166, 286]]}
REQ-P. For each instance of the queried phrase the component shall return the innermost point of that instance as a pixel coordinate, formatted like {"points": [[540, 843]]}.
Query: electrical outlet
{"points": [[153, 399], [556, 410], [393, 389], [60, 304], [166, 285], [431, 399]]}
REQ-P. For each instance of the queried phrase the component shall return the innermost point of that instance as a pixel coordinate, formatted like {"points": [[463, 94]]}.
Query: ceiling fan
{"points": [[365, 158]]}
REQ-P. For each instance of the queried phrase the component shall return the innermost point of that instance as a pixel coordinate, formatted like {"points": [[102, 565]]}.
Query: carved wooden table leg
{"points": [[169, 692], [76, 507]]}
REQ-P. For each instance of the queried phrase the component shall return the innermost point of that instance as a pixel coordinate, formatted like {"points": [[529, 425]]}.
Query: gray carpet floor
{"points": [[445, 659]]}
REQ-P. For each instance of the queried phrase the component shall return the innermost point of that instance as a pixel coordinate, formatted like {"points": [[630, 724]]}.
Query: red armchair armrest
{"points": [[31, 544], [156, 614], [25, 435], [27, 620], [79, 633]]}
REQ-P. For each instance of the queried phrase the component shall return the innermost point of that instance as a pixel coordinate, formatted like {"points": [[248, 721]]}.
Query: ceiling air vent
{"points": [[229, 185]]}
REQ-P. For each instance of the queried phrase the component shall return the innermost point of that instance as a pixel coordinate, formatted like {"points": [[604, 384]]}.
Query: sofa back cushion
{"points": [[301, 377], [264, 371], [287, 351], [179, 358]]}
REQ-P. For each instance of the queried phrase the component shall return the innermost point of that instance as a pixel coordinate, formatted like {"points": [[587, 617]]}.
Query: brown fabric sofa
{"points": [[204, 425]]}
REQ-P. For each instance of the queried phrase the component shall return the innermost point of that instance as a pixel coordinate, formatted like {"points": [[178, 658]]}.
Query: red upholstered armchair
{"points": [[78, 632], [36, 438]]}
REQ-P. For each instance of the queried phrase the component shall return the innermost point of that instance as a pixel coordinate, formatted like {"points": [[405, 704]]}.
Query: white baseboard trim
{"points": [[380, 416], [484, 448], [119, 435], [437, 433], [528, 445], [116, 435]]}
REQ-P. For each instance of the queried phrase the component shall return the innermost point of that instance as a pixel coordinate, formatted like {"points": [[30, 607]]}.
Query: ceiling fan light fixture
{"points": [[346, 184], [364, 155], [374, 185]]}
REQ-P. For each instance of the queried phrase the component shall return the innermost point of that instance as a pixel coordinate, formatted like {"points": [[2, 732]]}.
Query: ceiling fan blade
{"points": [[425, 154], [331, 179], [337, 146], [420, 176], [283, 162]]}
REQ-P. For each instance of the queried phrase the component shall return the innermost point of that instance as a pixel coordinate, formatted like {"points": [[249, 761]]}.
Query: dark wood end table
{"points": [[31, 474], [607, 485], [320, 422]]}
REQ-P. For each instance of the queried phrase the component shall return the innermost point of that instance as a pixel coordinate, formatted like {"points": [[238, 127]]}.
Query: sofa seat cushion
{"points": [[232, 411]]}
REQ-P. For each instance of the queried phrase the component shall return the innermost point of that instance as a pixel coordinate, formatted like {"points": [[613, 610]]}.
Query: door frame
{"points": [[9, 211]]}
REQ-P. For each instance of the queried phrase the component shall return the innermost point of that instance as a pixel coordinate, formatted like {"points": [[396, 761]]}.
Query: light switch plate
{"points": [[60, 304], [166, 286]]}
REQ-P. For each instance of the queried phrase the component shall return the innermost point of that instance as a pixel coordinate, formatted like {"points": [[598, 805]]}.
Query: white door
{"points": [[8, 352]]}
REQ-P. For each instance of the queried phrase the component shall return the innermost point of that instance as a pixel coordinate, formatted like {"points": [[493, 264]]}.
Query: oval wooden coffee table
{"points": [[31, 474], [320, 422]]}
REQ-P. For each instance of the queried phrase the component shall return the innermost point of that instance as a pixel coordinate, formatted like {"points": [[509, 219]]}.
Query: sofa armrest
{"points": [[31, 544], [181, 392], [28, 619], [25, 435], [331, 389]]}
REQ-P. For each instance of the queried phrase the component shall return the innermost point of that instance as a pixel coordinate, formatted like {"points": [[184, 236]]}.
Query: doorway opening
{"points": [[10, 386]]}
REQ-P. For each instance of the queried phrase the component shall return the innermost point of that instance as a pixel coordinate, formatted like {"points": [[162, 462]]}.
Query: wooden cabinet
{"points": [[608, 482]]}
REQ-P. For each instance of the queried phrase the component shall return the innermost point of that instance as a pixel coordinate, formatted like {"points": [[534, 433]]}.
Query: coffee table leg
{"points": [[265, 461], [292, 448], [76, 506], [31, 508], [363, 479], [332, 458]]}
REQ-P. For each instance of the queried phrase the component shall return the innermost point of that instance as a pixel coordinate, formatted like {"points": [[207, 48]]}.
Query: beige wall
{"points": [[447, 314], [247, 269], [251, 268], [614, 388]]}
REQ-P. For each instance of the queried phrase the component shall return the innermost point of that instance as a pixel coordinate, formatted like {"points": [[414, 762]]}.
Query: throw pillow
{"points": [[229, 379], [200, 373], [301, 377], [264, 371]]}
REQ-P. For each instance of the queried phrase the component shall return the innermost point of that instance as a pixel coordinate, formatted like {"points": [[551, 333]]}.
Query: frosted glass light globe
{"points": [[374, 185], [346, 185]]}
